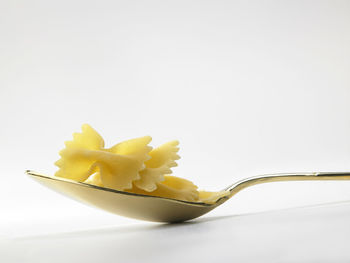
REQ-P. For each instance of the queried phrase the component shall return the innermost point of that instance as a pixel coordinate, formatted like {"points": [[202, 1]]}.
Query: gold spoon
{"points": [[160, 209]]}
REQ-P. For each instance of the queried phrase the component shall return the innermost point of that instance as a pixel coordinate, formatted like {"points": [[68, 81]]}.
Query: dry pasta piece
{"points": [[116, 171], [162, 159], [117, 167], [184, 189], [94, 179], [172, 187], [75, 162]]}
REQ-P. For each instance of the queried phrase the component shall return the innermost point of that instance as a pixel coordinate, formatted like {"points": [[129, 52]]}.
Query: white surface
{"points": [[247, 87], [309, 234]]}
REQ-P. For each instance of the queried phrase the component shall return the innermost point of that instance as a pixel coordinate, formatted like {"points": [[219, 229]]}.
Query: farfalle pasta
{"points": [[131, 166]]}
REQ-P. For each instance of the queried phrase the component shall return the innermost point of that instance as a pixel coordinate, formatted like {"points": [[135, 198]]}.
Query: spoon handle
{"points": [[240, 185]]}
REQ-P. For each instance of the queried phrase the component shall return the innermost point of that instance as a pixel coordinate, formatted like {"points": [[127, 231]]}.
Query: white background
{"points": [[247, 87]]}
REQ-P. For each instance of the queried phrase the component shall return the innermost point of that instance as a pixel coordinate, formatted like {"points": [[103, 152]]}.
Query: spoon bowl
{"points": [[160, 209]]}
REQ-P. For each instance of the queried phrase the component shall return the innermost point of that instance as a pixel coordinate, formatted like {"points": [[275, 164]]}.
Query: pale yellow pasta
{"points": [[119, 173], [162, 159], [130, 166], [94, 179], [117, 167], [75, 163]]}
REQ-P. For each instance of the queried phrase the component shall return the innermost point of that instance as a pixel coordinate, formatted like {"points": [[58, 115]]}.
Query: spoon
{"points": [[160, 209]]}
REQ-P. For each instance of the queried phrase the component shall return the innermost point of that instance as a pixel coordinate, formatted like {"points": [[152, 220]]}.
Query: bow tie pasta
{"points": [[130, 166]]}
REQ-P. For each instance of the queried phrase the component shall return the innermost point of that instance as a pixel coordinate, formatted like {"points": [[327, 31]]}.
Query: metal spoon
{"points": [[159, 209]]}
